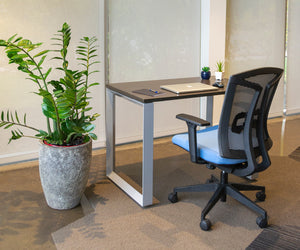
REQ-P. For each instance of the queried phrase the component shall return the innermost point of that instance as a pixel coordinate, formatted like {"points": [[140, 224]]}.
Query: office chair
{"points": [[238, 145]]}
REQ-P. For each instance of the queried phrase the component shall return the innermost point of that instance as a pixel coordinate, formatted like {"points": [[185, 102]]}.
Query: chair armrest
{"points": [[192, 119], [192, 123]]}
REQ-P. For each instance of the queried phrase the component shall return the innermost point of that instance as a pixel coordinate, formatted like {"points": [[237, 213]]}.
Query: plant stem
{"points": [[42, 76], [22, 125], [87, 70]]}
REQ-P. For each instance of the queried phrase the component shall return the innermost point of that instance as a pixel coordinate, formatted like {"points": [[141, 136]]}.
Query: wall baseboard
{"points": [[10, 159], [293, 112]]}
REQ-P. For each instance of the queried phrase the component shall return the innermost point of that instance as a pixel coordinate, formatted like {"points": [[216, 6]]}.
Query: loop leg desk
{"points": [[125, 90]]}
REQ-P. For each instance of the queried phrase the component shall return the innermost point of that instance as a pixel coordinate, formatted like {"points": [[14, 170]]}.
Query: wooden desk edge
{"points": [[126, 88]]}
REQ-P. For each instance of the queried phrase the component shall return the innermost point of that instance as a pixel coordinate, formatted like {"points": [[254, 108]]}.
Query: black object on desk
{"points": [[218, 84], [148, 92]]}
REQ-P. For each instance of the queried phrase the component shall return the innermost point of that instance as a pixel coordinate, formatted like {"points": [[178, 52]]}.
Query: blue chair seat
{"points": [[207, 146]]}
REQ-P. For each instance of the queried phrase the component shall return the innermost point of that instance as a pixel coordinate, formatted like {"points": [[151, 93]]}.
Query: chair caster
{"points": [[212, 179], [173, 197], [205, 224], [210, 166], [261, 196], [262, 222]]}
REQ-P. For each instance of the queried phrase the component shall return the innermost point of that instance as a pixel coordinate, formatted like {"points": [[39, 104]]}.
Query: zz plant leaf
{"points": [[65, 101]]}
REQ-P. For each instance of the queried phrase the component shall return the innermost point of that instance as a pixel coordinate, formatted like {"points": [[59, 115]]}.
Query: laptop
{"points": [[188, 87]]}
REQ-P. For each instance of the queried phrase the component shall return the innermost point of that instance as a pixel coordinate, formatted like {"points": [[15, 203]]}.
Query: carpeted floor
{"points": [[117, 222], [26, 222]]}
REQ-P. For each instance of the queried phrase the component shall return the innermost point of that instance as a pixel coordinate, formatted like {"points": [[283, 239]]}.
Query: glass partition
{"points": [[157, 39], [255, 38], [151, 40], [293, 58]]}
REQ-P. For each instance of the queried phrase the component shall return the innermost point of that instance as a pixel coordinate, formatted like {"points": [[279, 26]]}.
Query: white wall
{"points": [[293, 59], [164, 44], [151, 40], [255, 38], [217, 45], [38, 21]]}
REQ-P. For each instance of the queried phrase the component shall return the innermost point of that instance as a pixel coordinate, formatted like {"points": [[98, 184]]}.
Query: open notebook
{"points": [[188, 87]]}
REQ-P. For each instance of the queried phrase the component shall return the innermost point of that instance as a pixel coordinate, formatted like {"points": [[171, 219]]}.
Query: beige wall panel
{"points": [[255, 38], [293, 59], [157, 39]]}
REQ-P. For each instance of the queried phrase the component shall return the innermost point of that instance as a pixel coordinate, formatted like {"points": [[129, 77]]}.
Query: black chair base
{"points": [[221, 189]]}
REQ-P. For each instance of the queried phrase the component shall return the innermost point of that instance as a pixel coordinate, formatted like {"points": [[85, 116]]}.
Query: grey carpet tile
{"points": [[295, 154], [276, 238]]}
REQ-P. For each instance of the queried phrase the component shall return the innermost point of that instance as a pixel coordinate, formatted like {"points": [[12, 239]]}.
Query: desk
{"points": [[125, 90]]}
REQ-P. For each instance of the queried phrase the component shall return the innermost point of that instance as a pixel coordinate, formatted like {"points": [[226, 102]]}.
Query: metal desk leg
{"points": [[110, 131], [209, 109], [148, 155], [146, 198]]}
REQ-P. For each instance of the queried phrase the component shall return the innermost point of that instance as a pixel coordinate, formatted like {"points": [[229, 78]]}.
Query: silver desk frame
{"points": [[146, 197]]}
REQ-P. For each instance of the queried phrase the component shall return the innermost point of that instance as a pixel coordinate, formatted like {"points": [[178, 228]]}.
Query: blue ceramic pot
{"points": [[205, 75]]}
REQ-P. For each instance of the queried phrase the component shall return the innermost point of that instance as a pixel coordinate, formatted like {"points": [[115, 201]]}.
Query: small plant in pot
{"points": [[66, 143], [205, 73], [219, 71]]}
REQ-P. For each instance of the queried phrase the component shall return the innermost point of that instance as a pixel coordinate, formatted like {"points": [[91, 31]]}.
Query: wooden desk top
{"points": [[127, 88]]}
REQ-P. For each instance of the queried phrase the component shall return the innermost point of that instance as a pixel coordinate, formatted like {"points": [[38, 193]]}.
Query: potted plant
{"points": [[205, 73], [66, 143], [220, 69]]}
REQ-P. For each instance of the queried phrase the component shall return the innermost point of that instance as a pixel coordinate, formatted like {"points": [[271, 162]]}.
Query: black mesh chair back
{"points": [[243, 123]]}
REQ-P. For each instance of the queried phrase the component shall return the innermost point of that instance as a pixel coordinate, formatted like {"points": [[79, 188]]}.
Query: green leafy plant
{"points": [[205, 69], [65, 101], [220, 66]]}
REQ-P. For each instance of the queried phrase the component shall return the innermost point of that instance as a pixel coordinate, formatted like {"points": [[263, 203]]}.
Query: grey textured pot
{"points": [[64, 173]]}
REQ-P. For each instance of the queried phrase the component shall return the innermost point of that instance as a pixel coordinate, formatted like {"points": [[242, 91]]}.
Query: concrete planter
{"points": [[64, 173]]}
